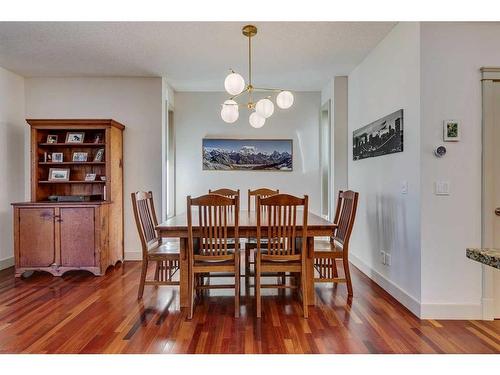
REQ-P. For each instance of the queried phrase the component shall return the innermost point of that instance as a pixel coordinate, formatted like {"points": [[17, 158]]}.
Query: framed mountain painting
{"points": [[247, 154]]}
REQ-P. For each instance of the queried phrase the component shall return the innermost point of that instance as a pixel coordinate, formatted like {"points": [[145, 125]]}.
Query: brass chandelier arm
{"points": [[235, 96], [268, 89]]}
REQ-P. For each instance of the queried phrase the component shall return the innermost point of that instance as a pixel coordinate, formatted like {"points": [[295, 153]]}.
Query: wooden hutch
{"points": [[72, 159]]}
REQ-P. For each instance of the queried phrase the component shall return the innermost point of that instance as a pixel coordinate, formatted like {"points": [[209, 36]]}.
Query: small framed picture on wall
{"points": [[451, 131]]}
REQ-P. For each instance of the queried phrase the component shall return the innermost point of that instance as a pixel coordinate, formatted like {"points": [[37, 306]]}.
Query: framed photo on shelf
{"points": [[59, 174], [99, 156], [451, 131], [80, 156], [77, 137], [90, 177], [57, 157], [52, 138], [98, 138]]}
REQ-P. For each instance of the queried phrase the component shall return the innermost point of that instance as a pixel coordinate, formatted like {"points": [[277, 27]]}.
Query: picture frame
{"points": [[381, 137], [75, 137], [451, 131], [52, 138], [99, 155], [90, 177], [98, 138], [257, 155], [59, 174], [80, 156], [57, 157]]}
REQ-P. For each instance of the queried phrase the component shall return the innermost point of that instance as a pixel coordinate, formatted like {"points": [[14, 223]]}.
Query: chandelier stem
{"points": [[250, 60]]}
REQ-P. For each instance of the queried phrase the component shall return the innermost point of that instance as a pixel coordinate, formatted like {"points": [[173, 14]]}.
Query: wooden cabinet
{"points": [[62, 237], [57, 237]]}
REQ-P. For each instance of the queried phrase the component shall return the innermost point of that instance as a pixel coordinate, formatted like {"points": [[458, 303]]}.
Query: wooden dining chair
{"points": [[251, 243], [154, 249], [326, 253], [217, 223], [285, 249]]}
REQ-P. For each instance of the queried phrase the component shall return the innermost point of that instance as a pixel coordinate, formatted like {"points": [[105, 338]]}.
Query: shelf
{"points": [[72, 163], [72, 182], [101, 145]]}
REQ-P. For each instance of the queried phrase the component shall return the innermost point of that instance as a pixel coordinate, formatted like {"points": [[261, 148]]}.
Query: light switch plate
{"points": [[442, 188]]}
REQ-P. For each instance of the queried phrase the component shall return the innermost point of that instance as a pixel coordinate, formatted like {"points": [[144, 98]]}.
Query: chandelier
{"points": [[235, 86]]}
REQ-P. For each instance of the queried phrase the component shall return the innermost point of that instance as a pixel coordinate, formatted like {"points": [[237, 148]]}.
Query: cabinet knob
{"points": [[497, 211]]}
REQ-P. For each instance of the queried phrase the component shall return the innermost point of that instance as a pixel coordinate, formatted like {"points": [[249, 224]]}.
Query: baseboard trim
{"points": [[452, 311], [6, 263], [133, 255], [406, 299]]}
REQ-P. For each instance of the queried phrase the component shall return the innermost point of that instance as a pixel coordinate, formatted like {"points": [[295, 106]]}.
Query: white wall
{"points": [[452, 54], [12, 126], [386, 81], [340, 136], [197, 115], [135, 102]]}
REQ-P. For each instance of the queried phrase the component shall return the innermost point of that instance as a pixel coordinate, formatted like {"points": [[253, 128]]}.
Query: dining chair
{"points": [[154, 249], [285, 249], [217, 223], [251, 243], [326, 252]]}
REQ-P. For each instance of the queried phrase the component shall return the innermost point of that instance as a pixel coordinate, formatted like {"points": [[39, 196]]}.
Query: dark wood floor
{"points": [[80, 313]]}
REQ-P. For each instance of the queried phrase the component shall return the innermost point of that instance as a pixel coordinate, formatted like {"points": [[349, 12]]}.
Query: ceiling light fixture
{"points": [[235, 86]]}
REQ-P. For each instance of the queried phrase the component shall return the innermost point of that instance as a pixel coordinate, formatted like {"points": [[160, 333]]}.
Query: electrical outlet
{"points": [[388, 259], [382, 256], [404, 187]]}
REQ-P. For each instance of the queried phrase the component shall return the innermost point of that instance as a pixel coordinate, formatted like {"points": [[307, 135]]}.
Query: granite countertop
{"points": [[490, 257]]}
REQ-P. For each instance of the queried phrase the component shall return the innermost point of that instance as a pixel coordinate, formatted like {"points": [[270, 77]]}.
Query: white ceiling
{"points": [[194, 56]]}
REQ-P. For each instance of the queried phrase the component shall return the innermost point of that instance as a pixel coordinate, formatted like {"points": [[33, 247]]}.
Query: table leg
{"points": [[310, 271], [184, 274]]}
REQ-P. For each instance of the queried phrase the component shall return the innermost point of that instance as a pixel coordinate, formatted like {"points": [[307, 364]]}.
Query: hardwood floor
{"points": [[80, 313]]}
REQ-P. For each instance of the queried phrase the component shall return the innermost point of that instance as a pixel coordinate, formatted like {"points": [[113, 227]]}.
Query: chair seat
{"points": [[220, 263], [326, 245], [167, 249]]}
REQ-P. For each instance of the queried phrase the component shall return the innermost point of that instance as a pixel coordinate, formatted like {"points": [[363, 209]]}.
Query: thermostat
{"points": [[440, 151]]}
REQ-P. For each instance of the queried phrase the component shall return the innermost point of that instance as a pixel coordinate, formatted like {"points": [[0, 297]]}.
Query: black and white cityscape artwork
{"points": [[381, 137], [247, 154]]}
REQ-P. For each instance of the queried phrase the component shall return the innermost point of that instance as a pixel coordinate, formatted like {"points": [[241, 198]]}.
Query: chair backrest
{"points": [[279, 222], [230, 193], [216, 214], [145, 219], [262, 192], [347, 203]]}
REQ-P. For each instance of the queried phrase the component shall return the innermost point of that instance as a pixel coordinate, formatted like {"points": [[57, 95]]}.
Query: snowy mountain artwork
{"points": [[248, 154]]}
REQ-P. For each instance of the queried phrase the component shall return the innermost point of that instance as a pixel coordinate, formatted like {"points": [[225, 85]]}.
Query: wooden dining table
{"points": [[176, 227]]}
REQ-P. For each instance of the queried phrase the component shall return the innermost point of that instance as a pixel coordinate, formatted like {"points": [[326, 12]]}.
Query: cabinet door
{"points": [[36, 237], [77, 236]]}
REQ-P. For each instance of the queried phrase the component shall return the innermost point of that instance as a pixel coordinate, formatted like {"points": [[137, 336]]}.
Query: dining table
{"points": [[177, 227]]}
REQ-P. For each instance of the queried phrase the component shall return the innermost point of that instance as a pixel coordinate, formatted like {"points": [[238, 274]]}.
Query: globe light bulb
{"points": [[284, 100], [256, 120], [234, 83], [264, 107], [229, 111]]}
